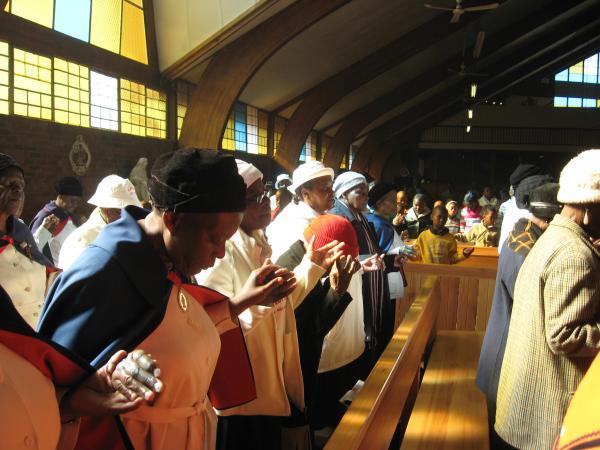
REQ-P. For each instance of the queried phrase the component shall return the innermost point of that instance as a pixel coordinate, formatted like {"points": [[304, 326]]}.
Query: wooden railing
{"points": [[371, 419]]}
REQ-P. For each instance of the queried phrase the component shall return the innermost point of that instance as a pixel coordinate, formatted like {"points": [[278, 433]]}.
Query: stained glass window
{"points": [[351, 155], [325, 141], [71, 93], [183, 96], [344, 163], [104, 101], [115, 25], [279, 125], [32, 95], [576, 76], [133, 108], [156, 114], [72, 17], [309, 149], [246, 130], [4, 78]]}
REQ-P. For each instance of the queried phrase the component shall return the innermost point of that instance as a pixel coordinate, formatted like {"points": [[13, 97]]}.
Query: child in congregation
{"points": [[437, 245], [485, 233], [471, 213], [453, 222]]}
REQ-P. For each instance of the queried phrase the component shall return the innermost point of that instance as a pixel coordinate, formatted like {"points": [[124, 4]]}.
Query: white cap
{"points": [[580, 179], [248, 172], [114, 192], [346, 181], [280, 178], [307, 172]]}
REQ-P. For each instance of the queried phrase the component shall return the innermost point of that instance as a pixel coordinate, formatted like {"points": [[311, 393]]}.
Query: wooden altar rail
{"points": [[372, 417], [466, 288]]}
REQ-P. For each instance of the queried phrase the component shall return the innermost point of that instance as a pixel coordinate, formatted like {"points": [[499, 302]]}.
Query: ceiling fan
{"points": [[459, 10]]}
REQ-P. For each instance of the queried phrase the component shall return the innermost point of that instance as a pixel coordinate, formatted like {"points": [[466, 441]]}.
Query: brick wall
{"points": [[42, 148]]}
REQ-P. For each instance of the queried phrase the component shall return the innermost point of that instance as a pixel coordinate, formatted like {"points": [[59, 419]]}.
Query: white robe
{"points": [[79, 239], [270, 332], [289, 226]]}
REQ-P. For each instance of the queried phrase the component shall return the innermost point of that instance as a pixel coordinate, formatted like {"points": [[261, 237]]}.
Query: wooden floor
{"points": [[450, 412]]}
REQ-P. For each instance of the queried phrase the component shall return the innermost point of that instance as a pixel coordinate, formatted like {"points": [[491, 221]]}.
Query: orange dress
{"points": [[186, 344]]}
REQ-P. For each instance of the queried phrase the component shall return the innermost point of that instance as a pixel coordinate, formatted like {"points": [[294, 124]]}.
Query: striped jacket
{"points": [[554, 335]]}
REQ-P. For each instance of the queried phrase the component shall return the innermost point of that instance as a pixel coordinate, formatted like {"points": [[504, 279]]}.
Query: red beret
{"points": [[329, 227]]}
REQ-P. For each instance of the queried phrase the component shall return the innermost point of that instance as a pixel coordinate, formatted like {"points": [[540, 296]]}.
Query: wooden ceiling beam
{"points": [[358, 120], [232, 67], [565, 53], [323, 96], [411, 118]]}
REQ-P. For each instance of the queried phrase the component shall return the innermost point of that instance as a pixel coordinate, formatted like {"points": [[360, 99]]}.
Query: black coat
{"points": [[377, 336], [315, 317]]}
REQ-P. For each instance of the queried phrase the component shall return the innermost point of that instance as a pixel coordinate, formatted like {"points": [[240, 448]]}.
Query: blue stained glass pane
{"points": [[589, 103], [239, 126], [574, 102], [562, 76], [72, 17], [575, 77], [303, 153], [560, 101]]}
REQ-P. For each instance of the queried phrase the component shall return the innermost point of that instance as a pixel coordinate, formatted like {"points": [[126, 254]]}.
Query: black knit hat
{"points": [[543, 202], [197, 181], [378, 191], [521, 172], [69, 186], [7, 161], [526, 186]]}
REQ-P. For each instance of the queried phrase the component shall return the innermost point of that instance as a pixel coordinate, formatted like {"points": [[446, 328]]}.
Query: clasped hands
{"points": [[123, 384]]}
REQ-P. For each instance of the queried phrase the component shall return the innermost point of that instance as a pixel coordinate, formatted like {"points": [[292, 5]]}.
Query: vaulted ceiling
{"points": [[374, 71]]}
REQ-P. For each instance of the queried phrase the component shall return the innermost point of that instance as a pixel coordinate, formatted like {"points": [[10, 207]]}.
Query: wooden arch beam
{"points": [[232, 67], [316, 101], [451, 98]]}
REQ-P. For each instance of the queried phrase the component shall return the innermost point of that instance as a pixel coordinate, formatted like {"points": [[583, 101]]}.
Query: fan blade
{"points": [[456, 15], [441, 8], [482, 7], [478, 45]]}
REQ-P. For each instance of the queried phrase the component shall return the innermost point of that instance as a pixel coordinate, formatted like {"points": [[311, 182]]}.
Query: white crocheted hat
{"points": [[580, 179]]}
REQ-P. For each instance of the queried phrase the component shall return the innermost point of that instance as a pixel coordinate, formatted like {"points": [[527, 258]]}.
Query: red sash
{"points": [[232, 383]]}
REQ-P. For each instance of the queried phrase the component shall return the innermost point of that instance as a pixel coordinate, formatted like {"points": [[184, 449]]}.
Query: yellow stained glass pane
{"points": [[4, 107], [133, 108], [105, 30], [38, 11], [4, 48], [4, 79], [137, 2], [7, 7], [577, 68], [32, 85], [71, 99], [133, 34]]}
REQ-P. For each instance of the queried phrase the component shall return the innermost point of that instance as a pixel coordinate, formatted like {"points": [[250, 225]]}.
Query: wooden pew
{"points": [[455, 300], [372, 417], [450, 412]]}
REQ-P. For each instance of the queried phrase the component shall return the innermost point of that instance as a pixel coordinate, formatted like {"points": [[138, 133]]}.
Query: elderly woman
{"points": [[270, 330], [141, 267], [22, 266], [112, 195], [31, 408]]}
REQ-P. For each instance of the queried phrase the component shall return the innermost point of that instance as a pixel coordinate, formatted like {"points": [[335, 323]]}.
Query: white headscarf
{"points": [[248, 172], [346, 181]]}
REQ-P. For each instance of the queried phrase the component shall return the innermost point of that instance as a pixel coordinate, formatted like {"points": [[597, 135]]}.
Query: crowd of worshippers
{"points": [[225, 317]]}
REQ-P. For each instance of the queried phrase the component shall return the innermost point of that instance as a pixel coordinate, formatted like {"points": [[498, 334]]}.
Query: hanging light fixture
{"points": [[473, 90], [470, 113], [468, 130]]}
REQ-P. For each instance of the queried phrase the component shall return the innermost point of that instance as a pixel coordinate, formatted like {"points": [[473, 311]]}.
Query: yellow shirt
{"points": [[438, 249], [480, 235]]}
